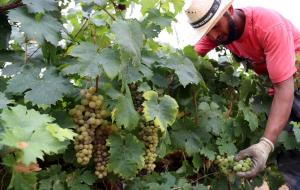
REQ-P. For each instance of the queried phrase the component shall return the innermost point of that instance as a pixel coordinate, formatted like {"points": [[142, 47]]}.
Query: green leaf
{"points": [[79, 180], [208, 152], [226, 146], [249, 116], [28, 127], [211, 117], [39, 143], [129, 36], [110, 61], [184, 69], [59, 133], [48, 28], [21, 181], [37, 7], [247, 87], [131, 73], [147, 5], [163, 110], [29, 120], [288, 140], [296, 129], [229, 78], [4, 101], [178, 5], [185, 135], [156, 17], [168, 181], [88, 65], [91, 63], [124, 113], [125, 155], [190, 52], [45, 89], [52, 178]]}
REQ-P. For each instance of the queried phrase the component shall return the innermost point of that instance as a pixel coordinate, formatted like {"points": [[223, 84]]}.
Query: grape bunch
{"points": [[88, 116], [138, 98], [149, 135], [101, 151], [228, 165], [243, 165], [100, 148]]}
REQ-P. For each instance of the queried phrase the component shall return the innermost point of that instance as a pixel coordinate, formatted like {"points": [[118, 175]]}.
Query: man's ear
{"points": [[230, 10]]}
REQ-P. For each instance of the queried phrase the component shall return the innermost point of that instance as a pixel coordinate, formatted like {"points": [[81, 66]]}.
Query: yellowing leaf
{"points": [[60, 133], [162, 110]]}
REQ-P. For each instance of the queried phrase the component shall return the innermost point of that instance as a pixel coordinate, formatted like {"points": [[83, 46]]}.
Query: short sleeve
{"points": [[280, 53], [203, 46]]}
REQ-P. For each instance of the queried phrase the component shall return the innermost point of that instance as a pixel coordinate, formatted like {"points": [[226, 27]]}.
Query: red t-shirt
{"points": [[269, 41]]}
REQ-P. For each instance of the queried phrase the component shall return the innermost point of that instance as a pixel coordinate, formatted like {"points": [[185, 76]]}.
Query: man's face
{"points": [[224, 32]]}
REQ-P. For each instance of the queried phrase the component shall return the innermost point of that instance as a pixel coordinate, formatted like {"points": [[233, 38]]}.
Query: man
{"points": [[271, 43]]}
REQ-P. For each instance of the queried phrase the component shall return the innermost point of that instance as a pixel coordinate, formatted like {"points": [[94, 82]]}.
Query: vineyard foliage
{"points": [[169, 113]]}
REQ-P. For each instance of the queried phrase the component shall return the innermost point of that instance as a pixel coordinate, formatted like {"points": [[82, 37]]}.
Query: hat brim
{"points": [[202, 31]]}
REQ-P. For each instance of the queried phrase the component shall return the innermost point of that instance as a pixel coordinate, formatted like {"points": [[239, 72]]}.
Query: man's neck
{"points": [[240, 21]]}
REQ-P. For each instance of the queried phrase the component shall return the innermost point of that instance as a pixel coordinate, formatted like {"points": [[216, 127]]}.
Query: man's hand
{"points": [[259, 154]]}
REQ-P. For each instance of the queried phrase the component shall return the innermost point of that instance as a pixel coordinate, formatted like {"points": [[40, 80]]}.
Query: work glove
{"points": [[259, 154]]}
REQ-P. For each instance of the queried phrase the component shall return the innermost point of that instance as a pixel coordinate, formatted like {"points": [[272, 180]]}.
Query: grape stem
{"points": [[97, 83], [11, 6]]}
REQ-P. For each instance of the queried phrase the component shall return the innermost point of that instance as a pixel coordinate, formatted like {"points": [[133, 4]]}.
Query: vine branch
{"points": [[11, 6], [97, 83], [196, 120], [112, 17]]}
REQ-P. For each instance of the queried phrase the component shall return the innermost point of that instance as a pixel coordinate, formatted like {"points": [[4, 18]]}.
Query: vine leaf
{"points": [[208, 152], [226, 146], [189, 137], [29, 120], [296, 129], [124, 113], [229, 78], [40, 89], [126, 155], [47, 28], [22, 181], [52, 178], [4, 101], [81, 180], [147, 5], [34, 6], [91, 63], [249, 116], [26, 131], [211, 117], [60, 133], [288, 140], [163, 110], [129, 36], [184, 69]]}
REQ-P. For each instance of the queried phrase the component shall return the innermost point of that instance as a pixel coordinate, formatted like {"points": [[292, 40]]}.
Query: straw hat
{"points": [[204, 14]]}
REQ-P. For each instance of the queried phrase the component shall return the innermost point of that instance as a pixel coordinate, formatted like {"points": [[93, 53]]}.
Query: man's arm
{"points": [[279, 50], [203, 46], [280, 109]]}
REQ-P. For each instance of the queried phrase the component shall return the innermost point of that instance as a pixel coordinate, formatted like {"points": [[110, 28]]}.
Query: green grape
{"points": [[228, 164], [84, 115], [150, 137], [101, 150]]}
